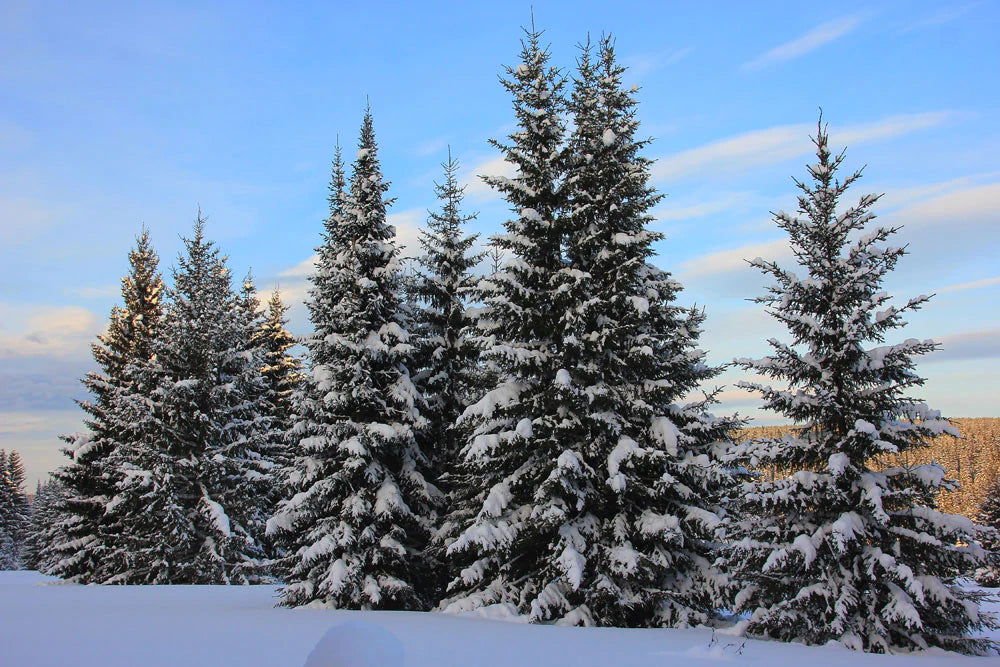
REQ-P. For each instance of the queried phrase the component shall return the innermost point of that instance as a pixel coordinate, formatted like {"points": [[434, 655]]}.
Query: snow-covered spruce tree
{"points": [[15, 511], [182, 503], [357, 522], [446, 358], [445, 362], [603, 509], [252, 443], [282, 371], [44, 514], [837, 550], [988, 520], [502, 556], [647, 532], [78, 546]]}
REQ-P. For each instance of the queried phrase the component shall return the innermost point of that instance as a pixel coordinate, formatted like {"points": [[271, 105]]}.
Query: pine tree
{"points": [[357, 522], [187, 501], [79, 545], [989, 538], [15, 511], [836, 550], [600, 508]]}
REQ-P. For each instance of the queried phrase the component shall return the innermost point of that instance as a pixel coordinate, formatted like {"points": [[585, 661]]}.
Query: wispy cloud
{"points": [[90, 292], [431, 146], [810, 41], [736, 259], [967, 345], [975, 284], [943, 15], [965, 208], [780, 143], [723, 202], [640, 65], [896, 196], [303, 269]]}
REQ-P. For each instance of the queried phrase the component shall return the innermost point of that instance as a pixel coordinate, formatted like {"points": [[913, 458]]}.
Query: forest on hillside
{"points": [[972, 461]]}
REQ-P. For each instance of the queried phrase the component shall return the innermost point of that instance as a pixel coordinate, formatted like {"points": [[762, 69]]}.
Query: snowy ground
{"points": [[43, 622]]}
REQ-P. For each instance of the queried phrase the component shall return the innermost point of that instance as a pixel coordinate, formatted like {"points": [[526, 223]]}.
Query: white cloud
{"points": [[894, 197], [301, 270], [35, 436], [810, 41], [431, 146], [20, 423], [728, 261], [475, 188], [408, 224], [975, 284], [888, 128], [780, 143]]}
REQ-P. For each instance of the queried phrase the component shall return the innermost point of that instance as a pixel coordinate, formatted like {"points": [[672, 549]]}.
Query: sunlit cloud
{"points": [[32, 331]]}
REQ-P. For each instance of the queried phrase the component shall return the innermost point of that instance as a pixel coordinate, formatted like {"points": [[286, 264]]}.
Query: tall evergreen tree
{"points": [[356, 524], [49, 495], [282, 371], [79, 545], [514, 447], [446, 357], [187, 499], [446, 364], [15, 511], [607, 515], [836, 550]]}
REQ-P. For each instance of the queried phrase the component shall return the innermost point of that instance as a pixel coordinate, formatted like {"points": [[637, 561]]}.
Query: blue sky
{"points": [[114, 115]]}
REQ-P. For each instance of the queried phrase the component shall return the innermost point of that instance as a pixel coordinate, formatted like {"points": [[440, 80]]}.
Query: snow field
{"points": [[46, 623]]}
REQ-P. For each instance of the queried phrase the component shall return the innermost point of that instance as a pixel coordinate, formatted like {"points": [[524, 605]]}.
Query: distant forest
{"points": [[973, 461]]}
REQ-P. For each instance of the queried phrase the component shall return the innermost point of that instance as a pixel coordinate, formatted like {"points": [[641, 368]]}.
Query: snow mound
{"points": [[356, 644]]}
